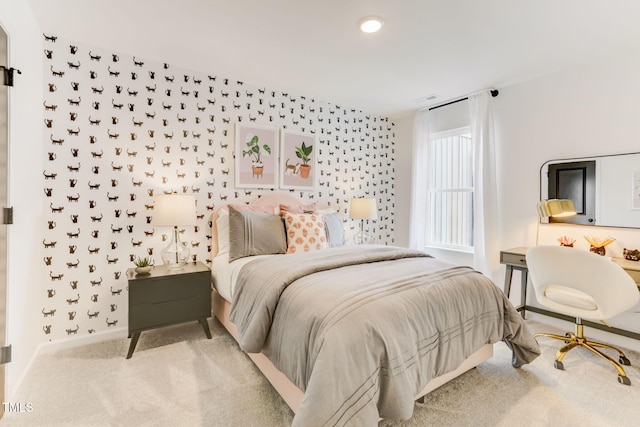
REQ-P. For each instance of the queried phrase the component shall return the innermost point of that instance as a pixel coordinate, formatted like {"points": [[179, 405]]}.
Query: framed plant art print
{"points": [[298, 166], [256, 156]]}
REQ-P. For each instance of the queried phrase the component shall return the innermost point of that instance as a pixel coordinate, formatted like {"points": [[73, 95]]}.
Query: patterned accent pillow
{"points": [[305, 232]]}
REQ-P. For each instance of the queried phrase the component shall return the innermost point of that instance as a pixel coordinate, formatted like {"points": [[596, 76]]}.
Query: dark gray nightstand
{"points": [[164, 298]]}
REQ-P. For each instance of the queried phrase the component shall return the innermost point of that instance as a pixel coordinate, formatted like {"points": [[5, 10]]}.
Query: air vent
{"points": [[427, 98]]}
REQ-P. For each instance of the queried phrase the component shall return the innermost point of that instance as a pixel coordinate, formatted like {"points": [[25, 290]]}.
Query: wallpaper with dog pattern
{"points": [[121, 129]]}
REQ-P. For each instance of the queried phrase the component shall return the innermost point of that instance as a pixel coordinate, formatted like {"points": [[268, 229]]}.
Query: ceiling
{"points": [[449, 48]]}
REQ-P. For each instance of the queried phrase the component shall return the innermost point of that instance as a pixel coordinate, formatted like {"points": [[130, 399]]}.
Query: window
{"points": [[450, 190]]}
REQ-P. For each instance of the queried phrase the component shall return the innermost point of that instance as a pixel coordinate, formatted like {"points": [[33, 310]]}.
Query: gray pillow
{"points": [[335, 229], [255, 233]]}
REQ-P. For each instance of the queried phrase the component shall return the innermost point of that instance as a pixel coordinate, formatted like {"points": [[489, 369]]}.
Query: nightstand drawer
{"points": [[168, 288], [147, 316], [513, 259]]}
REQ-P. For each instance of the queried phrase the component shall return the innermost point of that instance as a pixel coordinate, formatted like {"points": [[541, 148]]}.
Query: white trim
{"points": [[64, 344], [53, 346]]}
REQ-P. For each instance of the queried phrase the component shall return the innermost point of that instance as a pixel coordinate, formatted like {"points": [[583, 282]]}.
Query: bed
{"points": [[350, 334]]}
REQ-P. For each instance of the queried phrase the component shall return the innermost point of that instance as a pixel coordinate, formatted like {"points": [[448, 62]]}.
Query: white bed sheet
{"points": [[225, 273]]}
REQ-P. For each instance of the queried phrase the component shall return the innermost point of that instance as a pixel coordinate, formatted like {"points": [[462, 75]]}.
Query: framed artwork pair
{"points": [[267, 157]]}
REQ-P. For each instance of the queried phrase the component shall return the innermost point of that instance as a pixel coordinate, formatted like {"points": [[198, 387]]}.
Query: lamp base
{"points": [[176, 255], [362, 238]]}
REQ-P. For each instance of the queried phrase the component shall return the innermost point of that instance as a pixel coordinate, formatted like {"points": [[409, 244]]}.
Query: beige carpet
{"points": [[177, 377]]}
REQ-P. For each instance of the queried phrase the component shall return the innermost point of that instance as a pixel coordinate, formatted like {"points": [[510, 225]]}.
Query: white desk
{"points": [[515, 259]]}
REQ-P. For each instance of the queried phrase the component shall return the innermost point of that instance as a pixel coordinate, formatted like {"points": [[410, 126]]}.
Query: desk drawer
{"points": [[513, 259]]}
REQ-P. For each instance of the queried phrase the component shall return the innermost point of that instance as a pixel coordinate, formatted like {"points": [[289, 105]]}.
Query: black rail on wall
{"points": [[494, 93]]}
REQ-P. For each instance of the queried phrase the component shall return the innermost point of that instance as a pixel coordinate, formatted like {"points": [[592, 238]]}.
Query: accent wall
{"points": [[120, 129]]}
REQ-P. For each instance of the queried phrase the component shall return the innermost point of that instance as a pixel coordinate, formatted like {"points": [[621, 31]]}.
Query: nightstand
{"points": [[162, 298]]}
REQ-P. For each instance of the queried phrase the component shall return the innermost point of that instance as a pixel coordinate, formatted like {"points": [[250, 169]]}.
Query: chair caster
{"points": [[624, 380], [558, 365], [624, 361]]}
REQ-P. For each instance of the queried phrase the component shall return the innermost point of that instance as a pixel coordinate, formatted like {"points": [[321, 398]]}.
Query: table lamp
{"points": [[553, 207], [173, 210], [362, 209]]}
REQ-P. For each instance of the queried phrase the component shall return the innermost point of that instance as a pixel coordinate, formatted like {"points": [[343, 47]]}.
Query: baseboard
{"points": [[11, 394], [53, 346], [64, 344]]}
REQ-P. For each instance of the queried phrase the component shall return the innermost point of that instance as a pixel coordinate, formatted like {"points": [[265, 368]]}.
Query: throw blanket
{"points": [[361, 330]]}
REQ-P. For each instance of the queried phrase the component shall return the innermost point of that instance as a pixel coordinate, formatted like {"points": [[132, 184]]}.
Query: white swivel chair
{"points": [[581, 284]]}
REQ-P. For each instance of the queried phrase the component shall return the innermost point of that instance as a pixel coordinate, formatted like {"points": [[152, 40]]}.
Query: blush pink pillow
{"points": [[297, 209]]}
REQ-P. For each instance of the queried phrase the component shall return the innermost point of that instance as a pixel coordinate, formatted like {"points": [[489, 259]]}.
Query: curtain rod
{"points": [[494, 93]]}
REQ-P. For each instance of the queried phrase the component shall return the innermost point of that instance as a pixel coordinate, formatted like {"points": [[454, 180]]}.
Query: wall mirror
{"points": [[605, 189]]}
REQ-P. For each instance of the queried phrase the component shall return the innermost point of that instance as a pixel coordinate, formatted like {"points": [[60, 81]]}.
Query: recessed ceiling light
{"points": [[370, 24]]}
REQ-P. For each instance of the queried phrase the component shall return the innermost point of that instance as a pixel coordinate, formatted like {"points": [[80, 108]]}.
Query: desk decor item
{"points": [[173, 210], [362, 209], [143, 265], [566, 241], [598, 246], [631, 254]]}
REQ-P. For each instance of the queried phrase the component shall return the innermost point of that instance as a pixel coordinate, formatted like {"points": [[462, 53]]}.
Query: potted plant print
{"points": [[304, 153], [255, 151]]}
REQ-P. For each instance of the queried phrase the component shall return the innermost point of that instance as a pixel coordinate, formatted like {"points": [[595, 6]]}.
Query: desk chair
{"points": [[582, 285]]}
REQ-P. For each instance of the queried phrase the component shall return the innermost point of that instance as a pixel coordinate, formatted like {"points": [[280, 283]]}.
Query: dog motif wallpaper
{"points": [[121, 129]]}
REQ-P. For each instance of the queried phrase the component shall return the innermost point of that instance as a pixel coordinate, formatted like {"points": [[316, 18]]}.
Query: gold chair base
{"points": [[577, 339]]}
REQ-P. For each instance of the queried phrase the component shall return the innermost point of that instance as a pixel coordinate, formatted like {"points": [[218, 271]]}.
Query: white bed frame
{"points": [[292, 395]]}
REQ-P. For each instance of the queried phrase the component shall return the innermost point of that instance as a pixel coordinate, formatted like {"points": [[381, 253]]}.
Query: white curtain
{"points": [[486, 231], [417, 226]]}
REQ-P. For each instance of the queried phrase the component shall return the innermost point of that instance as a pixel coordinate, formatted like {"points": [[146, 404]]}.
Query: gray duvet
{"points": [[362, 329]]}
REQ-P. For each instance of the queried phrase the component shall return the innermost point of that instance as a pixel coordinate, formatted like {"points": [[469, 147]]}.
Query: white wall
{"points": [[25, 186], [404, 161], [585, 111]]}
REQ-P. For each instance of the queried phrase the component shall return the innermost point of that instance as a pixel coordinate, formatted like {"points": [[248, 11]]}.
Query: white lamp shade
{"points": [[174, 209], [363, 208]]}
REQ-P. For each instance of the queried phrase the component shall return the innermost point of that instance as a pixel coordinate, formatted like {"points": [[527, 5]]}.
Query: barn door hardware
{"points": [[7, 215], [5, 354], [8, 74]]}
